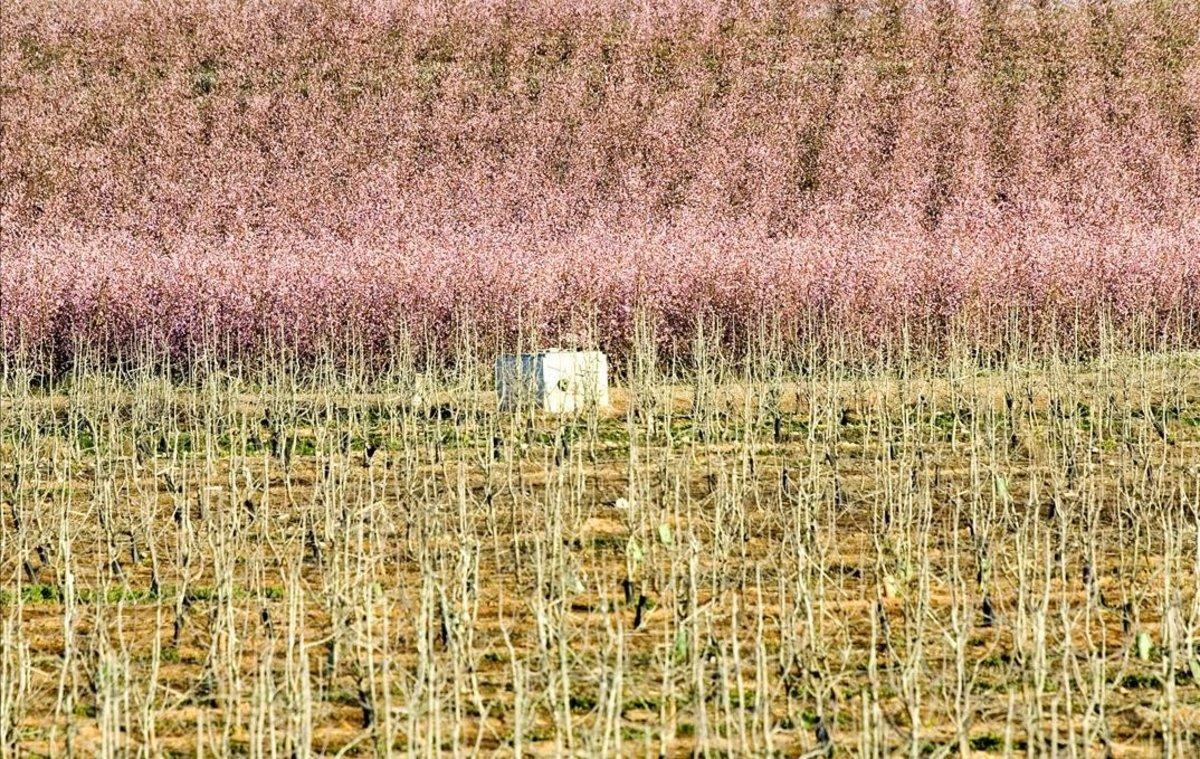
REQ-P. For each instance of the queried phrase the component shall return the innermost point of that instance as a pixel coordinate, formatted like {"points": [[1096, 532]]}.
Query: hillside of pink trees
{"points": [[230, 174]]}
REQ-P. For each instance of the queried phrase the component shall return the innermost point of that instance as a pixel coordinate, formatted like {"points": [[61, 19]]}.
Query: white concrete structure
{"points": [[556, 381]]}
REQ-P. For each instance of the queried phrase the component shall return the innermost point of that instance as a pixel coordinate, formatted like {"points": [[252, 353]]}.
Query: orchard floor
{"points": [[938, 561]]}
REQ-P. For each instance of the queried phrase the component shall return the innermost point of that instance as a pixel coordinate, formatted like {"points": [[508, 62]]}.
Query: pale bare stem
{"points": [[763, 547], [15, 675]]}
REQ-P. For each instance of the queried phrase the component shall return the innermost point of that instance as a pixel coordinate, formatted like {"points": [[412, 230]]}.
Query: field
{"points": [[902, 301], [769, 555]]}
